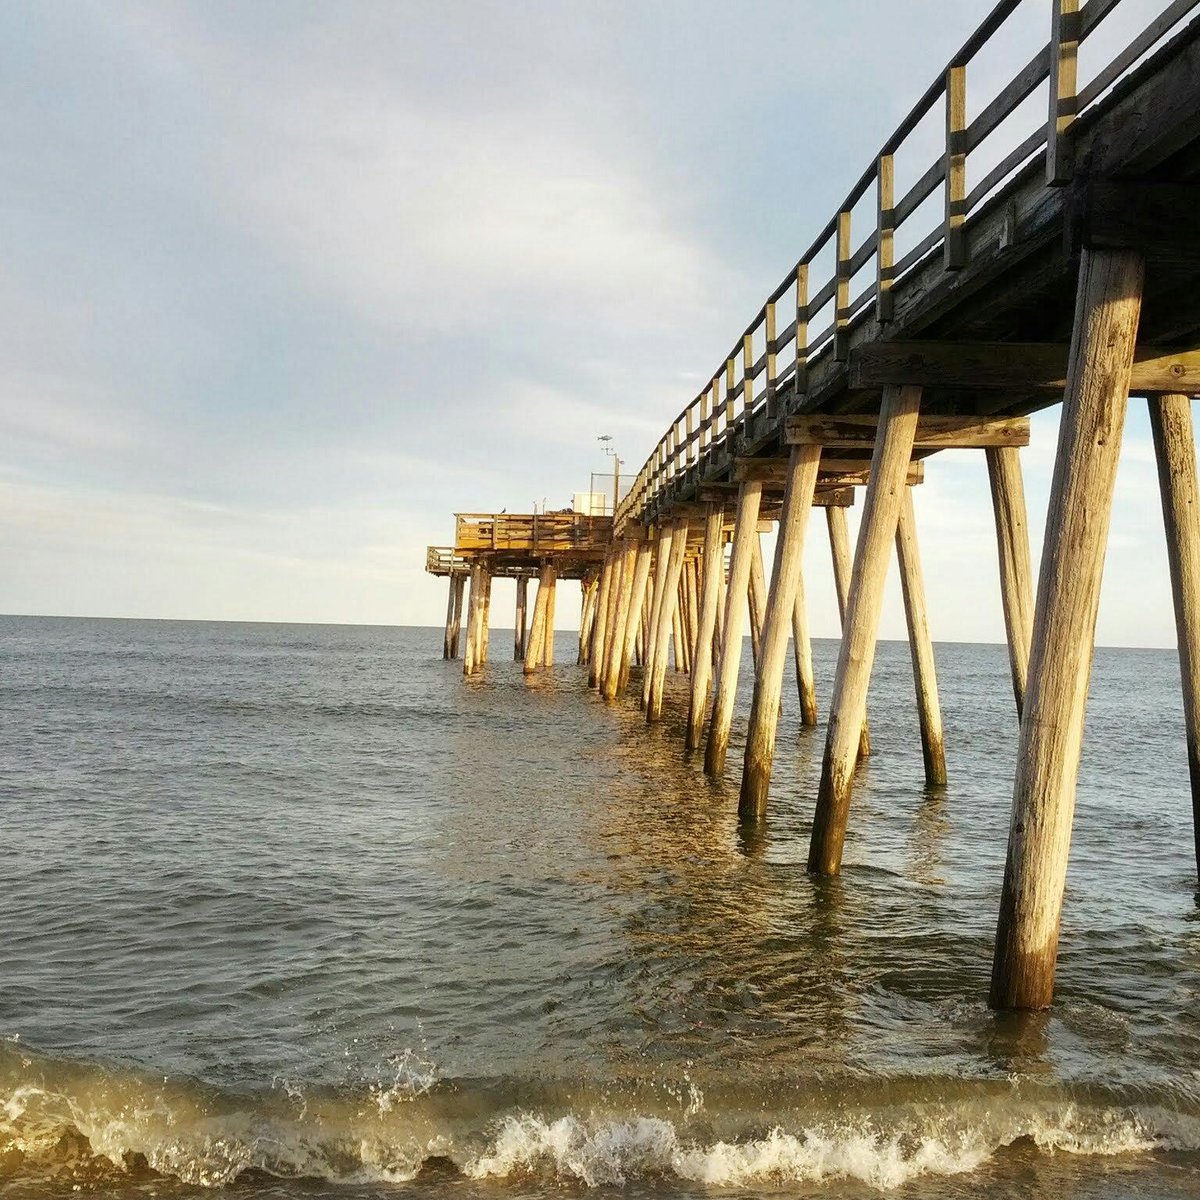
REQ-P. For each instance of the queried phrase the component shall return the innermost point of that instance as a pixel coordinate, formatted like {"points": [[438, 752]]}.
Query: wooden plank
{"points": [[933, 432], [1009, 365]]}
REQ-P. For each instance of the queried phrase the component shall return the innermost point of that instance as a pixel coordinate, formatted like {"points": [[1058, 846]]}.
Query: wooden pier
{"points": [[1064, 274]]}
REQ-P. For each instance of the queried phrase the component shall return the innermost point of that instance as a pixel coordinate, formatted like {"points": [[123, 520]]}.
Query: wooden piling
{"points": [[757, 600], [536, 644], [616, 583], [722, 589], [598, 621], [745, 537], [662, 558], [485, 618], [780, 611], [1107, 307], [658, 665], [637, 606], [551, 594], [587, 612], [929, 713], [1175, 450], [520, 620], [806, 685], [710, 589], [460, 587], [678, 641], [1016, 573], [448, 640], [886, 490], [474, 602], [839, 547], [616, 643], [693, 586]]}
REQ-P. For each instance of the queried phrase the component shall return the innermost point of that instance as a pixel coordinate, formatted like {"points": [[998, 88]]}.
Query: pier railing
{"points": [[806, 315], [531, 532], [441, 560]]}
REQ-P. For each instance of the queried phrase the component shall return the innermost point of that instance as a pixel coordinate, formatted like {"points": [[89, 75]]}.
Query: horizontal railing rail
{"points": [[748, 382], [530, 532], [441, 560]]}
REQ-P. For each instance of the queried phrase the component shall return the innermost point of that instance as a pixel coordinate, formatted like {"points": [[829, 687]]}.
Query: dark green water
{"points": [[296, 911]]}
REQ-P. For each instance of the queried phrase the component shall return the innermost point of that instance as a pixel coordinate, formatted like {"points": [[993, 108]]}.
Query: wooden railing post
{"points": [[730, 402], [801, 329], [747, 379], [772, 363], [841, 312], [1064, 52], [885, 239], [956, 168]]}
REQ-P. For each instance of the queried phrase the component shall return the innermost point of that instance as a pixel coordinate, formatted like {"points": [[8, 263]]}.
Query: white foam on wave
{"points": [[614, 1152], [207, 1140]]}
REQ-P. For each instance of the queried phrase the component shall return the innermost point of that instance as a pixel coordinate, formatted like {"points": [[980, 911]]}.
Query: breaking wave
{"points": [[87, 1122]]}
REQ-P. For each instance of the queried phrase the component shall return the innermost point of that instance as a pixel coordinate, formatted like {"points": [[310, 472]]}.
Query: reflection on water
{"points": [[305, 902]]}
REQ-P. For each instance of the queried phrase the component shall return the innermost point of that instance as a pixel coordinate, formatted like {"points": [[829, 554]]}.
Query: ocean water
{"points": [[297, 911]]}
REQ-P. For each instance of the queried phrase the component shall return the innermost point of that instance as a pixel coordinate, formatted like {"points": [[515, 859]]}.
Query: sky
{"points": [[285, 285]]}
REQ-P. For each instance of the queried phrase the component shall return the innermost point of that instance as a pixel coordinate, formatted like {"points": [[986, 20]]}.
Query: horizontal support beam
{"points": [[842, 497], [835, 474], [839, 473], [986, 366], [933, 432]]}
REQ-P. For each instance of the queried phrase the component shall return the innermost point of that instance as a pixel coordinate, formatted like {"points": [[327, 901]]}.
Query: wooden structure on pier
{"points": [[1065, 273]]}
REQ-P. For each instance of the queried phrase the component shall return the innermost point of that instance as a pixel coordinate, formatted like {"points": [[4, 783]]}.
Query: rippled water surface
{"points": [[296, 910]]}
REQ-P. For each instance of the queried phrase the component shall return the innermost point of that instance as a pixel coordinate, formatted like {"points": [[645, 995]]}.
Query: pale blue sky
{"points": [[285, 284]]}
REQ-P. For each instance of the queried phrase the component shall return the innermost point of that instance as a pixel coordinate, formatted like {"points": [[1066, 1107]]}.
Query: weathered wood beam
{"points": [[835, 482], [601, 616], [933, 432], [1108, 304], [714, 564], [666, 616], [844, 472], [785, 580], [1175, 450], [916, 614], [520, 620], [886, 491], [745, 536], [1005, 365]]}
